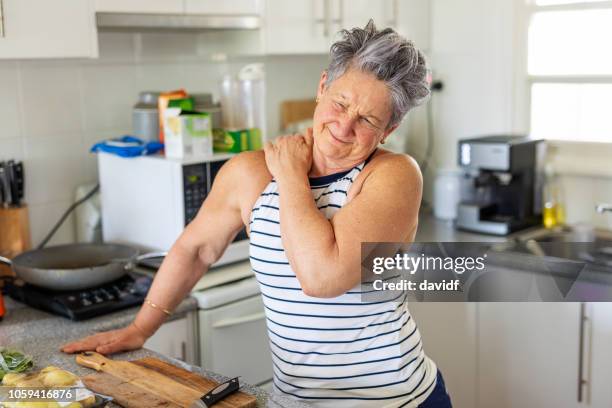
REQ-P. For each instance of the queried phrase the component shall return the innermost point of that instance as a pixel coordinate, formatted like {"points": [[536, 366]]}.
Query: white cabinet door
{"points": [[598, 356], [411, 18], [357, 13], [528, 355], [448, 331], [222, 7], [296, 27], [140, 6], [172, 339], [48, 29], [234, 340]]}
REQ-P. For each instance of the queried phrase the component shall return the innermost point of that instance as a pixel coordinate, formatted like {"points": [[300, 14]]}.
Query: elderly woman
{"points": [[308, 202]]}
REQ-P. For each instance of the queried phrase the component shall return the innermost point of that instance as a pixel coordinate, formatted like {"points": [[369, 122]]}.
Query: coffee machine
{"points": [[504, 182]]}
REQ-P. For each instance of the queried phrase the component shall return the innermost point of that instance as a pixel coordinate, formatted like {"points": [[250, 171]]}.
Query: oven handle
{"points": [[238, 320]]}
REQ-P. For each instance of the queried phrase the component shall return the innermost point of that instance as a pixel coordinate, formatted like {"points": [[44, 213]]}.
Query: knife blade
{"points": [[217, 394]]}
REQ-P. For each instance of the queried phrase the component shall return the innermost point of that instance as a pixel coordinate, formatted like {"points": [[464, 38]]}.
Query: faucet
{"points": [[602, 208]]}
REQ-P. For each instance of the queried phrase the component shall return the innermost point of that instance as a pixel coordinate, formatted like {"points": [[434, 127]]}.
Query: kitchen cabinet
{"points": [[448, 331], [234, 338], [177, 339], [528, 355], [296, 27], [222, 7], [411, 18], [47, 29], [311, 26], [140, 6], [598, 355], [179, 6]]}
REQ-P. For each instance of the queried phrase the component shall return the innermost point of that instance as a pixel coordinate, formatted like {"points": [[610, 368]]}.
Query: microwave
{"points": [[147, 201]]}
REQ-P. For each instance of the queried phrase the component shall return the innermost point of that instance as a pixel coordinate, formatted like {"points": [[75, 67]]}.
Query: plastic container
{"points": [[447, 193], [243, 100]]}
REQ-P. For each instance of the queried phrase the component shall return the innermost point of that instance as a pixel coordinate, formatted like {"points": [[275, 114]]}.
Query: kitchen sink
{"points": [[580, 243]]}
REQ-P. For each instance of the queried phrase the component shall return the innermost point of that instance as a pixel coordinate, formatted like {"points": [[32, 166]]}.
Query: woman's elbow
{"points": [[322, 287]]}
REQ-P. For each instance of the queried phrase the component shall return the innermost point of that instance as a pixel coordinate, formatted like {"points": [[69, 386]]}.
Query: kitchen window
{"points": [[569, 69]]}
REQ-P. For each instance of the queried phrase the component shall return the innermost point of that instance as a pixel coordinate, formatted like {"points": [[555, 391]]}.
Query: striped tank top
{"points": [[336, 352]]}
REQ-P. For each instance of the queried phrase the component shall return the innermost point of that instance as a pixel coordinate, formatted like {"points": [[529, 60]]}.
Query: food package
{"points": [[162, 105], [236, 141], [188, 133], [49, 377]]}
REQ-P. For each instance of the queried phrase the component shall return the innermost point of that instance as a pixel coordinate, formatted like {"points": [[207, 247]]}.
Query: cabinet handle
{"points": [[326, 17], [1, 21], [340, 19], [238, 320], [183, 351], [581, 381]]}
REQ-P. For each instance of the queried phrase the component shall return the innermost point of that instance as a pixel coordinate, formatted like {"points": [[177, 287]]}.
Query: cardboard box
{"points": [[187, 133]]}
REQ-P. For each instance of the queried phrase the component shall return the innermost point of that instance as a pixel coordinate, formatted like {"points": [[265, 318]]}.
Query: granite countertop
{"points": [[41, 335], [431, 229]]}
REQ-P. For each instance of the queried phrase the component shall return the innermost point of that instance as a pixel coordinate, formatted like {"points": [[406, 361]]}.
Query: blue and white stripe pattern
{"points": [[338, 352]]}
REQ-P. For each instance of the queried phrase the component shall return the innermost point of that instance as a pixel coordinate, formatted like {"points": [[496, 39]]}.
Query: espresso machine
{"points": [[502, 192]]}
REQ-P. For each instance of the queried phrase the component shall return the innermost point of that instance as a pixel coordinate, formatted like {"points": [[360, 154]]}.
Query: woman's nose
{"points": [[345, 126]]}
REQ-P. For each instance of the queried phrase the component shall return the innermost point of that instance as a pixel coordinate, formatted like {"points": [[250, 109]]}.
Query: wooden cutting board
{"points": [[150, 382]]}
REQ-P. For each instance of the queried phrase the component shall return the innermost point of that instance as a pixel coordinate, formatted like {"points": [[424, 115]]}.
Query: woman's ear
{"points": [[387, 132], [321, 87]]}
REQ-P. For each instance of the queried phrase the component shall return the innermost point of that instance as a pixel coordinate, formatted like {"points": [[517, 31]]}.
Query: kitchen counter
{"points": [[41, 335], [431, 229]]}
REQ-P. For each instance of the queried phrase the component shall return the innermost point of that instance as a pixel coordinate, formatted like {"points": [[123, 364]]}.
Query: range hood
{"points": [[133, 21]]}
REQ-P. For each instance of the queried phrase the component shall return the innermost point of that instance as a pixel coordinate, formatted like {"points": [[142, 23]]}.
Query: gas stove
{"points": [[129, 290]]}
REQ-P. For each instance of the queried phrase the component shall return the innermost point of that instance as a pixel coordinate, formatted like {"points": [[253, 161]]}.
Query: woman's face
{"points": [[352, 116]]}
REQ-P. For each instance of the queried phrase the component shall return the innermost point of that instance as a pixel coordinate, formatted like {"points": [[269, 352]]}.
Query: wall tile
{"points": [[165, 46], [115, 47], [108, 94], [158, 77], [51, 100], [54, 168], [9, 101], [11, 148], [44, 216], [579, 198]]}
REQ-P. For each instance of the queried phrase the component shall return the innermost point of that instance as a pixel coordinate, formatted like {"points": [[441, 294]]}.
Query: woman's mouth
{"points": [[337, 140]]}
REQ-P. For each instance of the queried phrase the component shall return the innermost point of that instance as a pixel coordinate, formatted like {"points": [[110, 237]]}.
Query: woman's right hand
{"points": [[109, 342]]}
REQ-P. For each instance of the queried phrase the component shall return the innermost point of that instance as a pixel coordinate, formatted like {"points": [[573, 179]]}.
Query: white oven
{"points": [[147, 201], [233, 337]]}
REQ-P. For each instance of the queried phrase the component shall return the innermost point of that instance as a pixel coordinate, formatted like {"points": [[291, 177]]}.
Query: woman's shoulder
{"points": [[250, 164], [400, 164]]}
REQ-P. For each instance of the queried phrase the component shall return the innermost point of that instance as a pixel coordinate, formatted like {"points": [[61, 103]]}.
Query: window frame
{"points": [[524, 13]]}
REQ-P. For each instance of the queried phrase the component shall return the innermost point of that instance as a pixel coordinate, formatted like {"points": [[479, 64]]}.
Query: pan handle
{"points": [[131, 262], [6, 261]]}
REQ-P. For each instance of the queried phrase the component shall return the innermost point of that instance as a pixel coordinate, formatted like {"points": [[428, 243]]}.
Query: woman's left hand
{"points": [[289, 155]]}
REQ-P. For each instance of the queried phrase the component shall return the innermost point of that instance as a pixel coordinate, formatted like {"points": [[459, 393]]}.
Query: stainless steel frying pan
{"points": [[75, 266]]}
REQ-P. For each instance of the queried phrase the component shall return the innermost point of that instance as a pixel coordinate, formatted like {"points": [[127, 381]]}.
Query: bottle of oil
{"points": [[553, 213]]}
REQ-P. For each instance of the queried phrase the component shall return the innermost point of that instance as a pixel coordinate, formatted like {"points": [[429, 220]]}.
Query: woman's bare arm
{"points": [[200, 245], [326, 254]]}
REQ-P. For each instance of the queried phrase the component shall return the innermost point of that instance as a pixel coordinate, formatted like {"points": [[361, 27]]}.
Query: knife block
{"points": [[14, 234]]}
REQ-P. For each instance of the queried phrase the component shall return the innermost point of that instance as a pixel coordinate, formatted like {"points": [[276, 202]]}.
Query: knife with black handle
{"points": [[6, 188], [17, 182], [217, 394], [13, 183]]}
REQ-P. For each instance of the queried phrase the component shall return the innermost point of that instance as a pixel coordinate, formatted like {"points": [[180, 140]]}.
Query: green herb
{"points": [[12, 361]]}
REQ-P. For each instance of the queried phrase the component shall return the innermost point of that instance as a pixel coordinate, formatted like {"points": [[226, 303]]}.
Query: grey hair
{"points": [[388, 56]]}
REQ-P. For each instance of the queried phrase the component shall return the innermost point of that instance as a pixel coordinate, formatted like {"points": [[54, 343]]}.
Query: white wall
{"points": [[476, 50], [52, 111]]}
